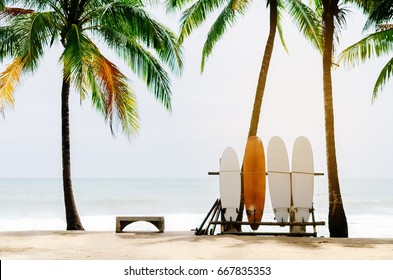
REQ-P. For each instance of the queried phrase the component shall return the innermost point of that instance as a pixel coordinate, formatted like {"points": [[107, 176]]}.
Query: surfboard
{"points": [[279, 178], [230, 184], [254, 180], [302, 178]]}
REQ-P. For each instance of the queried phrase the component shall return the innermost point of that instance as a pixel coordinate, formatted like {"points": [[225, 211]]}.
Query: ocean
{"points": [[37, 204]]}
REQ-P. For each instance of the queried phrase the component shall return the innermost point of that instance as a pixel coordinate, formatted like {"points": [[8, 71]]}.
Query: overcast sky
{"points": [[210, 112]]}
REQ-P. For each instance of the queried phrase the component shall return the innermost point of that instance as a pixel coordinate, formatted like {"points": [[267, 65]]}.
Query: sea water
{"points": [[37, 204]]}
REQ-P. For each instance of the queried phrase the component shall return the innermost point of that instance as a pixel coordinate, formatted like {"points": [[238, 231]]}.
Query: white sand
{"points": [[185, 246]]}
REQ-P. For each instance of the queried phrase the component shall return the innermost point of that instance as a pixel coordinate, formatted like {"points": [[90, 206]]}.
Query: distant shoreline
{"points": [[94, 245]]}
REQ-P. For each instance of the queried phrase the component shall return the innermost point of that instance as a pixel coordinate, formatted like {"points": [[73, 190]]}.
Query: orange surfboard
{"points": [[254, 180]]}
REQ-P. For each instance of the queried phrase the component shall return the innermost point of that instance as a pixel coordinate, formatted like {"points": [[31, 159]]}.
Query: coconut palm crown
{"points": [[124, 26], [29, 28]]}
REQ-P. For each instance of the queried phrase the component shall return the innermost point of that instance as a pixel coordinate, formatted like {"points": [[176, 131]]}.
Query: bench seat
{"points": [[123, 221]]}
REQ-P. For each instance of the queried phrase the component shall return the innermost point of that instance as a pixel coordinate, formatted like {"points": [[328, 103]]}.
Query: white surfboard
{"points": [[302, 179], [279, 178], [230, 184]]}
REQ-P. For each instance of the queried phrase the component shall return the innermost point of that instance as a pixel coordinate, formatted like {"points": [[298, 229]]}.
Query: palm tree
{"points": [[379, 43], [28, 28], [333, 18], [196, 14]]}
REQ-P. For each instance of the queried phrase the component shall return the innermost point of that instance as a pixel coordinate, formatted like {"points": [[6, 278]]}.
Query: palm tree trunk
{"points": [[72, 217], [261, 87], [264, 70], [338, 226]]}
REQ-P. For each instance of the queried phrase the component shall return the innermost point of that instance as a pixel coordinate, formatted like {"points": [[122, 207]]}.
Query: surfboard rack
{"points": [[212, 219], [209, 224], [215, 173]]}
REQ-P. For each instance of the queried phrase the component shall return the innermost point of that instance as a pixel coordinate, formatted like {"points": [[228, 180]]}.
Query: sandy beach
{"points": [[63, 245]]}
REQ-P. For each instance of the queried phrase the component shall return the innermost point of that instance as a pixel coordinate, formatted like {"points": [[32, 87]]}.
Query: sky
{"points": [[210, 111]]}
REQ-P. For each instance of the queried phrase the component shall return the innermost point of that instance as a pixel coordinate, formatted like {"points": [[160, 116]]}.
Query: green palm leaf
{"points": [[379, 12], [25, 38], [79, 52], [96, 93], [195, 15], [94, 10], [131, 33], [307, 22], [376, 44], [176, 4], [7, 40], [142, 62], [27, 35], [168, 49], [226, 18], [280, 10], [384, 76]]}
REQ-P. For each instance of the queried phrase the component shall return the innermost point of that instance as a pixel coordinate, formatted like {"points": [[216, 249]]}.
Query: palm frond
{"points": [[376, 44], [280, 11], [173, 5], [318, 7], [110, 9], [379, 12], [194, 16], [7, 40], [168, 50], [116, 95], [226, 18], [142, 62], [135, 22], [341, 16], [79, 54], [240, 6], [9, 80], [96, 93], [384, 76], [29, 35], [307, 21], [365, 5]]}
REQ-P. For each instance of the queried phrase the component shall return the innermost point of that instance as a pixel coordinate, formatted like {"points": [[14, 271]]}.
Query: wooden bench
{"points": [[122, 222]]}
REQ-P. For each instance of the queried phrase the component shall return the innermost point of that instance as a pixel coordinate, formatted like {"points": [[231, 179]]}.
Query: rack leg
{"points": [[200, 230], [217, 215], [313, 219]]}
